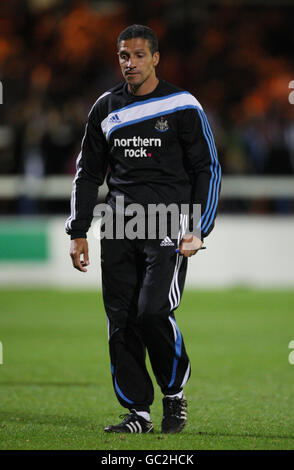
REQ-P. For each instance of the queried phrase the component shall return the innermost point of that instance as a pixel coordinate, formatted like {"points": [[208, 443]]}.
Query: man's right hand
{"points": [[78, 247]]}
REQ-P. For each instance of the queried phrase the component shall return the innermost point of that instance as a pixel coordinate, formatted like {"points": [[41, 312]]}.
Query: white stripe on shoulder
{"points": [[195, 101], [100, 97], [148, 109]]}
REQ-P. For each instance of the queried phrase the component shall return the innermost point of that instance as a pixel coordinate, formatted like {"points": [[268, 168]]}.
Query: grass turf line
{"points": [[55, 383]]}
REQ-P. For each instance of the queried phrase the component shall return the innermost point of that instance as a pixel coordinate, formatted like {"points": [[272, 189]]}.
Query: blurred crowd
{"points": [[57, 57]]}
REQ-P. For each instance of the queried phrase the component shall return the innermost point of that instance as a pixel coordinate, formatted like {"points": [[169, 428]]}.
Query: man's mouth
{"points": [[132, 73]]}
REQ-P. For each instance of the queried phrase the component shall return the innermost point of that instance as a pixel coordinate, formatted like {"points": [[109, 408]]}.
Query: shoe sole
{"points": [[174, 430], [127, 432]]}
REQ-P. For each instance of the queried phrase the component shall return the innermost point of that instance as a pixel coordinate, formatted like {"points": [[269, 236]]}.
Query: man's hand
{"points": [[190, 245], [78, 247]]}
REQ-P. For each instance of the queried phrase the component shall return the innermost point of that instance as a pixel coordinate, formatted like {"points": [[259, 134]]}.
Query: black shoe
{"points": [[174, 415], [132, 423]]}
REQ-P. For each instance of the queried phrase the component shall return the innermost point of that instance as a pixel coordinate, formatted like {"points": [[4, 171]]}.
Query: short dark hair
{"points": [[139, 31]]}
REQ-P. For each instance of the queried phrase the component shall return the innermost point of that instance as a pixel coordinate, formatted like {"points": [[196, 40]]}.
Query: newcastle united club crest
{"points": [[161, 124]]}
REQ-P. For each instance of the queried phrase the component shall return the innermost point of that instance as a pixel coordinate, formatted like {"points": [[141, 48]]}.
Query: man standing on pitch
{"points": [[156, 143]]}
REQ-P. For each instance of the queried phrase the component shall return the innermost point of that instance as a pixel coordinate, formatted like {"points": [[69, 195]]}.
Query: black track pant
{"points": [[142, 283]]}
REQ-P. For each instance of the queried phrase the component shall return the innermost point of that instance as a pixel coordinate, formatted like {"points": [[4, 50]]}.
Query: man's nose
{"points": [[131, 62]]}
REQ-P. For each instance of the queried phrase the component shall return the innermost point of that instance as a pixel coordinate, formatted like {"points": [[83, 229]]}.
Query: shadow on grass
{"points": [[247, 435], [92, 424], [29, 418]]}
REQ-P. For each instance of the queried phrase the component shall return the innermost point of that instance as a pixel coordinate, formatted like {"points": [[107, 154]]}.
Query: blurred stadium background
{"points": [[56, 58]]}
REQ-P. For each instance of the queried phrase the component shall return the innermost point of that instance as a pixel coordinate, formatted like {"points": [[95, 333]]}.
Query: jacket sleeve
{"points": [[202, 165], [91, 170]]}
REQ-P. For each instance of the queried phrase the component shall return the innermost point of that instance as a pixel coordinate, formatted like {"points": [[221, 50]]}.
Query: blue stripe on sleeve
{"points": [[212, 169], [215, 205], [207, 221], [213, 152]]}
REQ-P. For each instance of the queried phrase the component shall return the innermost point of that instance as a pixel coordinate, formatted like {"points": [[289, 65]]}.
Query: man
{"points": [[154, 142]]}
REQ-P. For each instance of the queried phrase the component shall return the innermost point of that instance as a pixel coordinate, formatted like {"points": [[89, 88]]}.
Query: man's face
{"points": [[136, 61]]}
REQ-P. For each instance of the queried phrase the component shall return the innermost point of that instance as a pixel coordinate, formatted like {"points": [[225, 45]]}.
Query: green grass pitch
{"points": [[55, 382]]}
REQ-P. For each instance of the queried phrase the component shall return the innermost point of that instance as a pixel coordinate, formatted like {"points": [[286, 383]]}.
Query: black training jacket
{"points": [[156, 148]]}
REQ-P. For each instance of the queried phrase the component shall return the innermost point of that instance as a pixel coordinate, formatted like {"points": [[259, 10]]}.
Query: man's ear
{"points": [[156, 57]]}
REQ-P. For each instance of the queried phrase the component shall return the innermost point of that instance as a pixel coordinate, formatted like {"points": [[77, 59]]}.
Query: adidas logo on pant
{"points": [[167, 242]]}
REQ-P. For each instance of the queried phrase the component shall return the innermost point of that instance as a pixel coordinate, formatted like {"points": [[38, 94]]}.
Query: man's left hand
{"points": [[190, 245]]}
